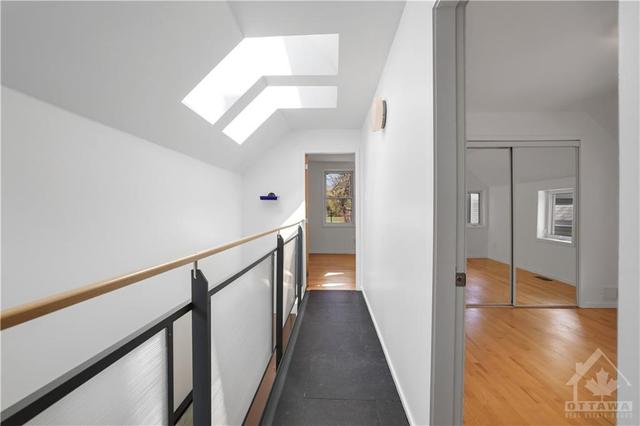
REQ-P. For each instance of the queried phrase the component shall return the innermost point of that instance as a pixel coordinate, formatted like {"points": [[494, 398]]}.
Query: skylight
{"points": [[255, 57], [273, 98]]}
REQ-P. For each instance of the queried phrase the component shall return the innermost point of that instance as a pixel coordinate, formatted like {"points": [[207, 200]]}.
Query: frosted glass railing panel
{"points": [[132, 391], [289, 279], [182, 359], [241, 323]]}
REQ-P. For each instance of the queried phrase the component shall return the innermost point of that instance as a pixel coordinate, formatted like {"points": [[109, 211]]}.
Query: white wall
{"points": [[82, 202], [327, 238], [498, 237], [281, 170], [598, 159], [629, 261], [397, 244]]}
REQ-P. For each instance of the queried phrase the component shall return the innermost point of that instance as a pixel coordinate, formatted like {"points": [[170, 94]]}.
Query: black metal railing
{"points": [[36, 404]]}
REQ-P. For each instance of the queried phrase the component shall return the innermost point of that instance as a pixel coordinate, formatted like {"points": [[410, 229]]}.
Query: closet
{"points": [[521, 225]]}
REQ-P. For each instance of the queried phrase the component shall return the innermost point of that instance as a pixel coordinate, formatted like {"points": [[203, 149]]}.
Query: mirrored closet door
{"points": [[488, 226], [545, 223]]}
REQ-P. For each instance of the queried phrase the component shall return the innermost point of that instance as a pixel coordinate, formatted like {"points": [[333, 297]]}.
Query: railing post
{"points": [[201, 348], [279, 297], [299, 254], [170, 407]]}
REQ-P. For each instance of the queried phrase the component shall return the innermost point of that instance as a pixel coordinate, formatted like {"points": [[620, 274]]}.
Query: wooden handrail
{"points": [[19, 314]]}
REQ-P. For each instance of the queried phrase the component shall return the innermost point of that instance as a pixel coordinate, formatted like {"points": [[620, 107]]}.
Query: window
{"points": [[273, 98], [338, 197], [474, 208], [556, 215], [255, 57]]}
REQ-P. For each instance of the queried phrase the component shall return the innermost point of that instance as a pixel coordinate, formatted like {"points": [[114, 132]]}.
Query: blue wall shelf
{"points": [[269, 196]]}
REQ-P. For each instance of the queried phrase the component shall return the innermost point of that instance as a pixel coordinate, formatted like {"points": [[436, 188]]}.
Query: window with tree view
{"points": [[338, 197]]}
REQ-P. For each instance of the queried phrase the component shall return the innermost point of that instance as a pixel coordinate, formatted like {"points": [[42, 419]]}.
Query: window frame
{"points": [[545, 230], [482, 212], [325, 172]]}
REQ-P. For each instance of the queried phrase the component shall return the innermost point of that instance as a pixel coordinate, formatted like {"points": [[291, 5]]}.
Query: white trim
{"points": [[447, 331], [497, 142], [359, 220], [403, 399], [588, 305]]}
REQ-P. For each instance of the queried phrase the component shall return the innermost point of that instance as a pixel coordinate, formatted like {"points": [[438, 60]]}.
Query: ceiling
{"points": [[129, 65], [531, 56]]}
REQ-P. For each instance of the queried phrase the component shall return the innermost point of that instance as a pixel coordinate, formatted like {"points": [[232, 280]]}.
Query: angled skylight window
{"points": [[255, 57], [273, 98]]}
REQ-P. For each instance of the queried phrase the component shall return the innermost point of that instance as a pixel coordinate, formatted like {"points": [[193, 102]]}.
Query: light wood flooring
{"points": [[331, 272], [488, 283], [518, 362]]}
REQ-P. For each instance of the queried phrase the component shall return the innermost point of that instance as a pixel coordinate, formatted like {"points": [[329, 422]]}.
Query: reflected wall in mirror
{"points": [[488, 229], [545, 212]]}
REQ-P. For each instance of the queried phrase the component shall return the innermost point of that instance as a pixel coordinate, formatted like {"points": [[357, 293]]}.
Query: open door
{"points": [[447, 356]]}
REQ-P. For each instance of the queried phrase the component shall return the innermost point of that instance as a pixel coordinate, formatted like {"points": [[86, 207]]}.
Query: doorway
{"points": [[331, 221], [521, 224], [506, 346]]}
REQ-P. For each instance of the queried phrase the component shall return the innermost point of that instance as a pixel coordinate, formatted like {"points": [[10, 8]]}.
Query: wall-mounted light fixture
{"points": [[379, 114]]}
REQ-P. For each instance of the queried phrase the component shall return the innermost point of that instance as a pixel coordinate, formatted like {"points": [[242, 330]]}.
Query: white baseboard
{"points": [[403, 400], [598, 305]]}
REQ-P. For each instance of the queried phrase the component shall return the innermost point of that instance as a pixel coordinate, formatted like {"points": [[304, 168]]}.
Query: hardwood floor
{"points": [[488, 283], [532, 290], [331, 272], [518, 362]]}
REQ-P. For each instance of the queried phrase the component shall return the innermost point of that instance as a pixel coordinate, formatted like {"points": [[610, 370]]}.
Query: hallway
{"points": [[306, 213], [338, 373]]}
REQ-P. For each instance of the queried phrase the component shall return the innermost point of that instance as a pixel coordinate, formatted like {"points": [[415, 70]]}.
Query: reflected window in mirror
{"points": [[475, 214], [556, 215]]}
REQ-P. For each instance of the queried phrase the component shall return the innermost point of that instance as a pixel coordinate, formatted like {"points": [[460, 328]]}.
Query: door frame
{"points": [[450, 143], [358, 216], [306, 216], [447, 333]]}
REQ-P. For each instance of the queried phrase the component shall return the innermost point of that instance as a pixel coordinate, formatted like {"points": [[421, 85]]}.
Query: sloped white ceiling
{"points": [[533, 56], [129, 65]]}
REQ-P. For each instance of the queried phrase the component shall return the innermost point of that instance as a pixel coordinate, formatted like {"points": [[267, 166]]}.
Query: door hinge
{"points": [[461, 279]]}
